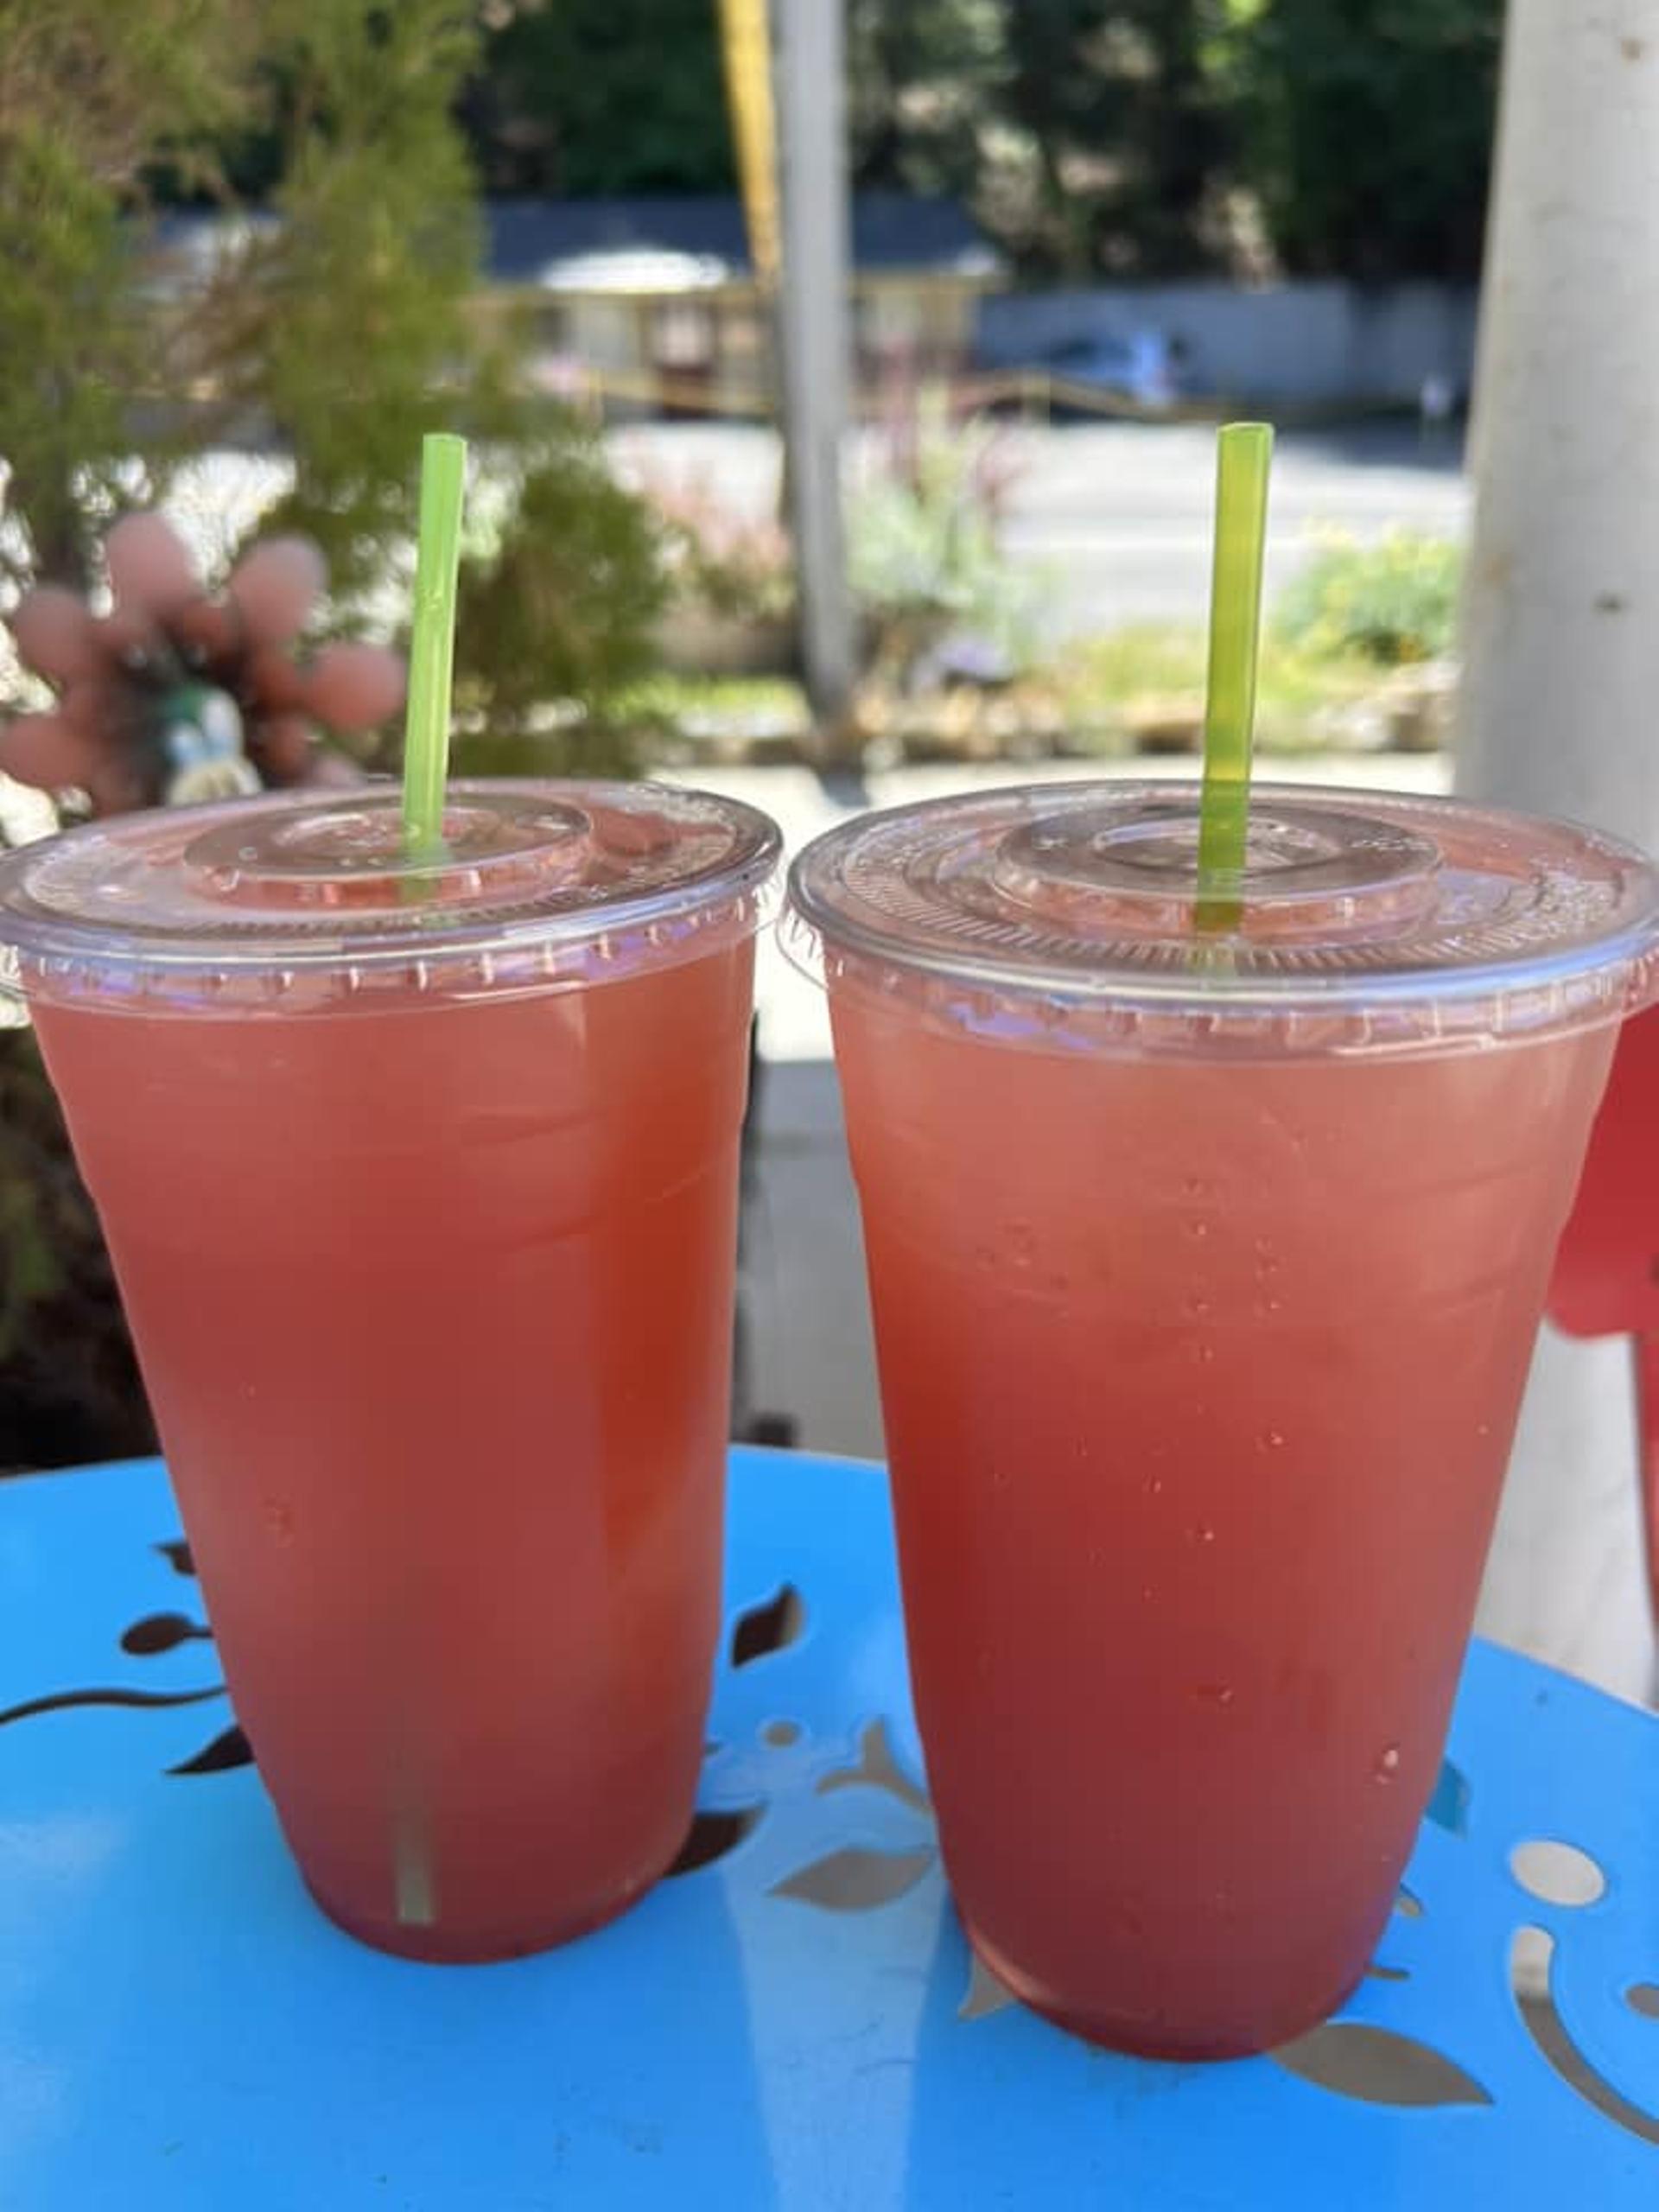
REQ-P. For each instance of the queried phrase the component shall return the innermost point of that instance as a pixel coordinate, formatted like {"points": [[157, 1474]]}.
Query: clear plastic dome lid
{"points": [[548, 880], [1363, 920]]}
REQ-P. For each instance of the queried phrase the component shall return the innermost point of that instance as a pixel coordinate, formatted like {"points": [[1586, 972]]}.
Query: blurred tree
{"points": [[331, 327], [340, 331], [343, 325], [922, 81], [1370, 130], [582, 97], [1185, 131], [1119, 106], [92, 97], [560, 605], [1090, 136]]}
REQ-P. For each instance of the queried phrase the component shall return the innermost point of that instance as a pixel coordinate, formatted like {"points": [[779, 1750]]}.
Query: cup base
{"points": [[1143, 2037], [434, 1944]]}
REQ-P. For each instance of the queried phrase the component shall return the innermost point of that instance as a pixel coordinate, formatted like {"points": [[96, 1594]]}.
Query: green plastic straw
{"points": [[1244, 457], [432, 646], [426, 768]]}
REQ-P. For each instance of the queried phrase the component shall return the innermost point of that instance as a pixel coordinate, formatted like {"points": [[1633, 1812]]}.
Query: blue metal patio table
{"points": [[793, 2020]]}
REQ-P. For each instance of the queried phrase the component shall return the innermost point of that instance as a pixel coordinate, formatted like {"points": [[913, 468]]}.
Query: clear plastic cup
{"points": [[420, 1186], [1205, 1272]]}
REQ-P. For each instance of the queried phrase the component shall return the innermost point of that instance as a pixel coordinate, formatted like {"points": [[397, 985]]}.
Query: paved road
{"points": [[1118, 514]]}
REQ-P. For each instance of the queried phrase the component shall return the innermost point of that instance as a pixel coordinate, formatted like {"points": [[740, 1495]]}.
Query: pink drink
{"points": [[428, 1244], [1204, 1296]]}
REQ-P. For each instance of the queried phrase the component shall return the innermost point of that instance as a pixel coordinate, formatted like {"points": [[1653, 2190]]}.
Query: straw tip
{"points": [[444, 457], [432, 642]]}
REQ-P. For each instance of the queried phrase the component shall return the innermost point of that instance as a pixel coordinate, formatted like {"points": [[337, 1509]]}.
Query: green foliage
{"points": [[1087, 134], [738, 567], [920, 82], [1123, 132], [68, 347], [1390, 603], [127, 87], [560, 607], [586, 97], [699, 704], [331, 329], [710, 717], [342, 330], [1114, 683], [90, 96], [1370, 130], [925, 552], [1090, 136], [1128, 135], [1145, 660], [344, 326]]}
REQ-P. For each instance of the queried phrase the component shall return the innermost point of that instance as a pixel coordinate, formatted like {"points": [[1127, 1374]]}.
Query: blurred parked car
{"points": [[1142, 367]]}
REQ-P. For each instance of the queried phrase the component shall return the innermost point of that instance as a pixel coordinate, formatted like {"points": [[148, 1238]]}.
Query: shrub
{"points": [[924, 549], [733, 565], [1393, 602], [556, 609]]}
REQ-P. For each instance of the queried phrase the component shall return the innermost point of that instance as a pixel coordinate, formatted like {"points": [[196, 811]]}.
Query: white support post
{"points": [[1560, 702], [814, 335]]}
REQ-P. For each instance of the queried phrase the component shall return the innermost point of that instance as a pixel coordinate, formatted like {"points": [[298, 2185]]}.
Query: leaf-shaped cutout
{"points": [[984, 1994], [1375, 1973], [159, 1633], [177, 1556], [854, 1879], [712, 1835], [1408, 1904], [231, 1748], [1354, 2059], [878, 1768], [770, 1627], [1449, 1807]]}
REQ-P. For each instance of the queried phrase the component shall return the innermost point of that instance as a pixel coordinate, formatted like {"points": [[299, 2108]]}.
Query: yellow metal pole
{"points": [[746, 47]]}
